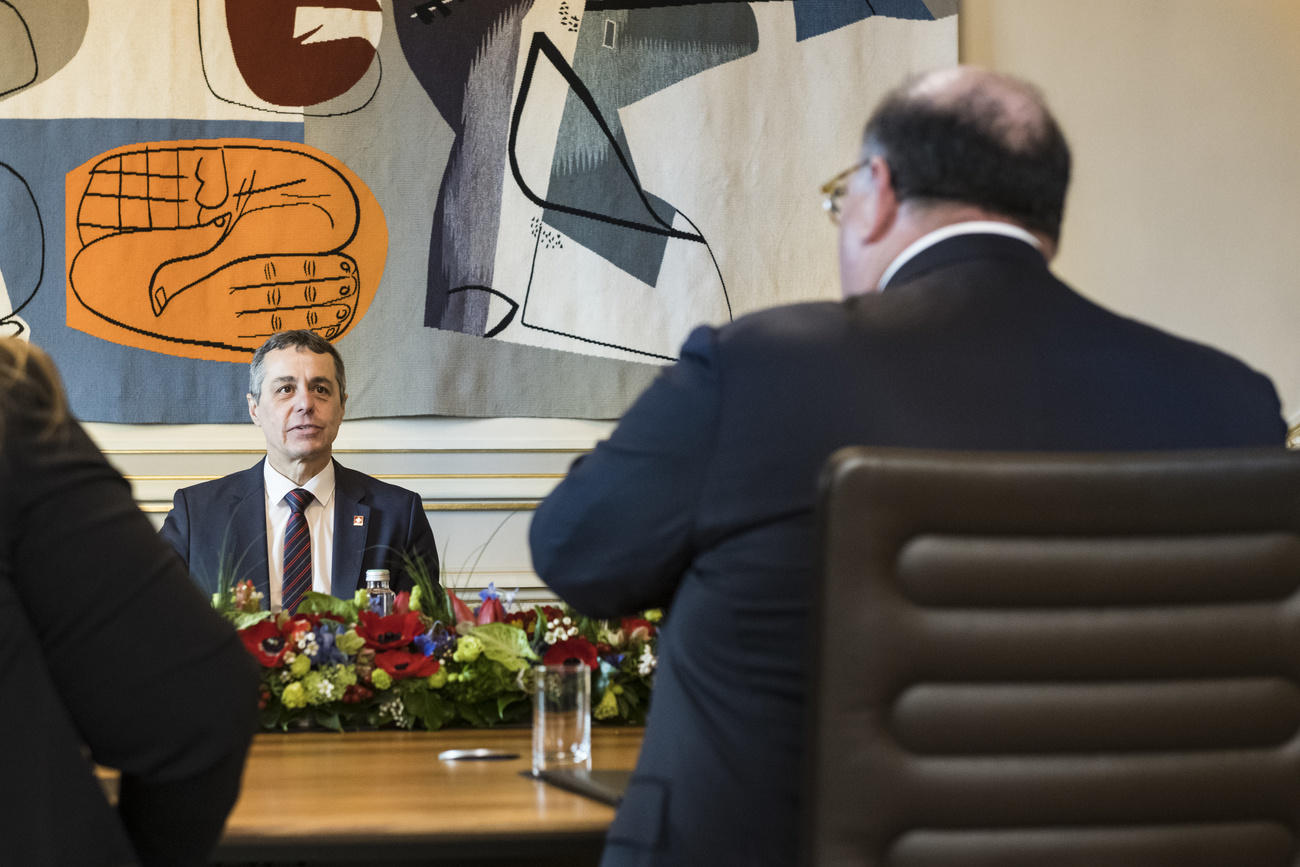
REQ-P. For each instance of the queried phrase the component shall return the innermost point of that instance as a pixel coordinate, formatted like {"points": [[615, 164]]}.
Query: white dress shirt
{"points": [[320, 522], [969, 227]]}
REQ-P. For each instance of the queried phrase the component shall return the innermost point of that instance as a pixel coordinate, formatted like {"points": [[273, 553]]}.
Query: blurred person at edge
{"points": [[111, 655]]}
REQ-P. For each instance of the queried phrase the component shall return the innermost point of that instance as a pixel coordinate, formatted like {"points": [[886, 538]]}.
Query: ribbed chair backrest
{"points": [[1047, 660]]}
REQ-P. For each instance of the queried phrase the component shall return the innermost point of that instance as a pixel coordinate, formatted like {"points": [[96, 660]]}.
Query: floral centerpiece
{"points": [[434, 661]]}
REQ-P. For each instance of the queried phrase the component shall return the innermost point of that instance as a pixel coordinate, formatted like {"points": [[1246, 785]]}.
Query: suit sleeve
{"points": [[176, 527], [419, 542], [177, 713], [616, 535]]}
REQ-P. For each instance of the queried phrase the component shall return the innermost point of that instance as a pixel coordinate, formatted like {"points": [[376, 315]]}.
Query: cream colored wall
{"points": [[1184, 118]]}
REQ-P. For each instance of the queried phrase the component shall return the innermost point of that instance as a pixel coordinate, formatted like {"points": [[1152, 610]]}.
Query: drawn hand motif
{"points": [[207, 248]]}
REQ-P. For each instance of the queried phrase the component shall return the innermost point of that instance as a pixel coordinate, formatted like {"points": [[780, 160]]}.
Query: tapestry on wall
{"points": [[492, 207]]}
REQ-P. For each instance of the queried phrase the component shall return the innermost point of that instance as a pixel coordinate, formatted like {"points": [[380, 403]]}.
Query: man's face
{"points": [[863, 258], [300, 407]]}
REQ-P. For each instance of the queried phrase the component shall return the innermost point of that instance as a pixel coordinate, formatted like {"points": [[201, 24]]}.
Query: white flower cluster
{"points": [[307, 644], [395, 710], [646, 662], [560, 631]]}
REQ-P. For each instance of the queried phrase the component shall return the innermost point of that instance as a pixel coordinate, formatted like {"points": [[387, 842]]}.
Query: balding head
{"points": [[973, 137]]}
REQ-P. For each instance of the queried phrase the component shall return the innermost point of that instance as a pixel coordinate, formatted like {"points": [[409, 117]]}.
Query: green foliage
{"points": [[245, 619], [322, 603], [428, 706], [504, 644], [433, 598]]}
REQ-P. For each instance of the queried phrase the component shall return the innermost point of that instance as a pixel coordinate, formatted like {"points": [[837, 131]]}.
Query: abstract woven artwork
{"points": [[493, 207]]}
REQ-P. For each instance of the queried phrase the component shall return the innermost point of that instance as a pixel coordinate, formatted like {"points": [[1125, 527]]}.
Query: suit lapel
{"points": [[245, 546], [351, 530]]}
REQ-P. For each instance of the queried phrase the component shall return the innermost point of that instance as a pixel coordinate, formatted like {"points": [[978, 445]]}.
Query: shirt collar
{"points": [[968, 227], [321, 485]]}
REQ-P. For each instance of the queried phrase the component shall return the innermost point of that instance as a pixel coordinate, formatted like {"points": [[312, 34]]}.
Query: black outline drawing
{"points": [[36, 60], [542, 45], [299, 112], [11, 316], [227, 223], [505, 320]]}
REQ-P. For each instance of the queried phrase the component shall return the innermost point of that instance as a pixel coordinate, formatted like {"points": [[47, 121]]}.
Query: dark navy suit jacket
{"points": [[702, 498], [221, 525]]}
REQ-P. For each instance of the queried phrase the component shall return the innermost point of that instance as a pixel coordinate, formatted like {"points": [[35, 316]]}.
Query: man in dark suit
{"points": [[237, 526], [953, 334]]}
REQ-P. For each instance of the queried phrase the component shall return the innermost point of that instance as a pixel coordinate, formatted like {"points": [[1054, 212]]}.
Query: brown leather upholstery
{"points": [[1057, 660]]}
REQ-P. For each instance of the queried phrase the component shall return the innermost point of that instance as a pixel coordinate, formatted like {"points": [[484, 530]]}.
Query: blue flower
{"points": [[489, 592], [328, 653], [438, 641]]}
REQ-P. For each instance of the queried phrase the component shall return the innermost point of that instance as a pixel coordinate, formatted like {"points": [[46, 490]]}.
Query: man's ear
{"points": [[885, 200], [343, 401], [252, 409]]}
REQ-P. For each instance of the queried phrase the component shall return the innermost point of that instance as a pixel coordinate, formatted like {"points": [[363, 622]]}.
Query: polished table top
{"points": [[366, 794]]}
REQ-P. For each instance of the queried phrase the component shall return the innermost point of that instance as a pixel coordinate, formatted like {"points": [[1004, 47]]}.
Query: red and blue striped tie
{"points": [[297, 551]]}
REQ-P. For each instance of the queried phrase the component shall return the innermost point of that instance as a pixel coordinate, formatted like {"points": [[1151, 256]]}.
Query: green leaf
{"points": [[472, 714], [245, 619], [327, 719], [429, 708], [504, 703], [504, 644], [322, 603]]}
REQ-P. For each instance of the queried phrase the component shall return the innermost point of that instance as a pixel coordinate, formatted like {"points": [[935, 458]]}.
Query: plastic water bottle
{"points": [[381, 595]]}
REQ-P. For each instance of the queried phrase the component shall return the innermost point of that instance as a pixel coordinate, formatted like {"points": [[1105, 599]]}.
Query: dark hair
{"points": [[308, 340], [30, 389], [975, 148]]}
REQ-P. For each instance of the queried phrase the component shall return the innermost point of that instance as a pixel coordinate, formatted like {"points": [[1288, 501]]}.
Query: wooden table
{"points": [[385, 797]]}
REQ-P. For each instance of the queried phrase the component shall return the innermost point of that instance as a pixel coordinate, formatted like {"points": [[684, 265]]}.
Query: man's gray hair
{"points": [[308, 340]]}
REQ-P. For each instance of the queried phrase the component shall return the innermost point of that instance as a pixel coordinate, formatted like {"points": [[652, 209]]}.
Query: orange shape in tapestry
{"points": [[203, 249]]}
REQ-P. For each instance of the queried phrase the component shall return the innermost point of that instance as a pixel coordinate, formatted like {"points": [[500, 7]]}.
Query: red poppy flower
{"points": [[265, 642], [461, 611], [388, 633], [491, 611], [577, 648], [637, 629], [402, 664]]}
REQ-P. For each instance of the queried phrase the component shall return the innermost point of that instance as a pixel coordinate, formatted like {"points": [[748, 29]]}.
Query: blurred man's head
{"points": [[296, 394], [949, 146]]}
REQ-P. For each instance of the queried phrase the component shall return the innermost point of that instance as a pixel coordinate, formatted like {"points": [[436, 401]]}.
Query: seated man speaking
{"points": [[298, 521]]}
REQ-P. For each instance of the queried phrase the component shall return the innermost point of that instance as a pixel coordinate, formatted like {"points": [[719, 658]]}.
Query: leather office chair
{"points": [[1057, 660]]}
